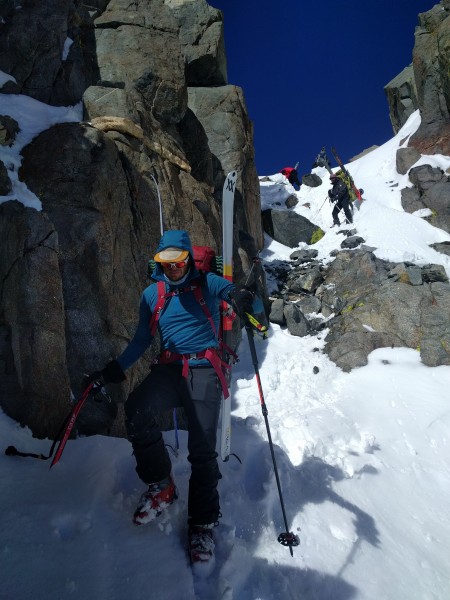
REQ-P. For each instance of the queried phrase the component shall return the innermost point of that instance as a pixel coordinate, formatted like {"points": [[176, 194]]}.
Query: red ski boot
{"points": [[155, 500]]}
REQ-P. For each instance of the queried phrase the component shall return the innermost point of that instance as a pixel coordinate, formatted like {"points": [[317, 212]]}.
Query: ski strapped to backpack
{"points": [[347, 178], [228, 193]]}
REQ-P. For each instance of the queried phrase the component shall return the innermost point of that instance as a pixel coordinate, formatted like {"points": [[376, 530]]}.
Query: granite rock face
{"points": [[425, 84], [402, 97]]}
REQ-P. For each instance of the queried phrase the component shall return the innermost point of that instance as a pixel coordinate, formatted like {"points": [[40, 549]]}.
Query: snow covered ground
{"points": [[363, 458]]}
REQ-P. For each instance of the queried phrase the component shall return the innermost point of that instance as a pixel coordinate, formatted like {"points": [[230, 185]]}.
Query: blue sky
{"points": [[313, 73]]}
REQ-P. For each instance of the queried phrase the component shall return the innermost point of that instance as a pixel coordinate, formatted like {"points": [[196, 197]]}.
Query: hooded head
{"points": [[174, 246]]}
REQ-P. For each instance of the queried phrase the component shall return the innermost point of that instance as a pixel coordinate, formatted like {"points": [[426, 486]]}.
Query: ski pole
{"points": [[259, 327], [175, 426], [287, 538], [323, 203]]}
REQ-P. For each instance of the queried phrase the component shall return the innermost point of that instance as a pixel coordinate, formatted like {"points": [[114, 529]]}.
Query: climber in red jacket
{"points": [[291, 175]]}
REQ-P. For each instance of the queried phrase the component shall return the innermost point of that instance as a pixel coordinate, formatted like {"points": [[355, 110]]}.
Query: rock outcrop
{"points": [[431, 61], [431, 190], [402, 97], [425, 84], [365, 303]]}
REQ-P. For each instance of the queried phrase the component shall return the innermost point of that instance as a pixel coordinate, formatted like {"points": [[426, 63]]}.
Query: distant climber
{"points": [[291, 175], [340, 196], [322, 160]]}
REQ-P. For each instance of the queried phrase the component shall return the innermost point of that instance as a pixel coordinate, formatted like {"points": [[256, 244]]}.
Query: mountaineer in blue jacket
{"points": [[188, 373]]}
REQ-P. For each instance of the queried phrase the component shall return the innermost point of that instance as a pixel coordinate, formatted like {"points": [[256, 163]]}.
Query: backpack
{"points": [[348, 183]]}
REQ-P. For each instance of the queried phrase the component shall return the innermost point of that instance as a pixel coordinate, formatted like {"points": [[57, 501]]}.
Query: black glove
{"points": [[112, 373], [242, 300]]}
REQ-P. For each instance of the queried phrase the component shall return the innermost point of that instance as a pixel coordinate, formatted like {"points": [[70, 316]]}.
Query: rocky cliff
{"points": [[426, 83], [151, 77]]}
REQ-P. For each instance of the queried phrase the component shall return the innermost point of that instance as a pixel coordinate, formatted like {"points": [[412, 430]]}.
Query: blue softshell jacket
{"points": [[183, 326]]}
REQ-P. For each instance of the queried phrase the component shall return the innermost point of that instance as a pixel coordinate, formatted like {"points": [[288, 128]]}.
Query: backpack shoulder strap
{"points": [[195, 287], [198, 295], [160, 303]]}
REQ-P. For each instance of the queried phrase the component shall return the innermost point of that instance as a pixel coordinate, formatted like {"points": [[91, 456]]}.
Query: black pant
{"points": [[199, 394], [346, 206]]}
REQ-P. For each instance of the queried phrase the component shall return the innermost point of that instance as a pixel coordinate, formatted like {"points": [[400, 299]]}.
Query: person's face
{"points": [[177, 270]]}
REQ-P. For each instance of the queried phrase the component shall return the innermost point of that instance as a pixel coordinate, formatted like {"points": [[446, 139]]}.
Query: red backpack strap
{"points": [[198, 295], [195, 287], [160, 303], [220, 368]]}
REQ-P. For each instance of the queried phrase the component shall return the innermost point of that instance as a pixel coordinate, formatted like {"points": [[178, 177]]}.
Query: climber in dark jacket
{"points": [[339, 194]]}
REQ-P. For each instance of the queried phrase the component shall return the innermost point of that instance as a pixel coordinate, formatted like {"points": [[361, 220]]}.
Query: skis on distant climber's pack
{"points": [[347, 174], [227, 318]]}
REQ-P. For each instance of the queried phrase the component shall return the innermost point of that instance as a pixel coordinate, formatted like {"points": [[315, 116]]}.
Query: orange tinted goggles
{"points": [[175, 265]]}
